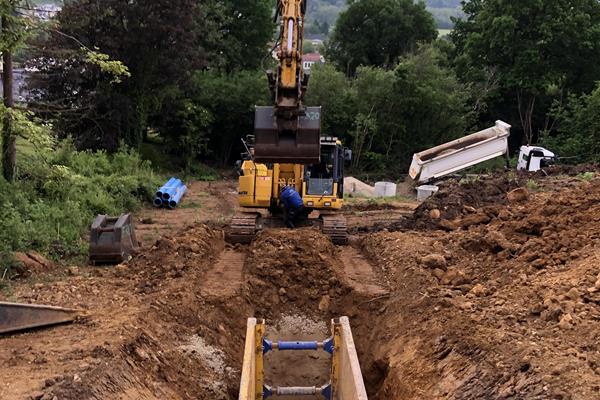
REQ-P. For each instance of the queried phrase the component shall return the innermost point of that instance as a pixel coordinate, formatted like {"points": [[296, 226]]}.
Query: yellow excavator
{"points": [[287, 148]]}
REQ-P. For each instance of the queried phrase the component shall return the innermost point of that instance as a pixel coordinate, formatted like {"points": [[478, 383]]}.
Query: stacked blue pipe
{"points": [[170, 193], [176, 197]]}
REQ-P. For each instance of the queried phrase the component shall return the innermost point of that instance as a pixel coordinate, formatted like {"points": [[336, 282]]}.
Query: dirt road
{"points": [[483, 298]]}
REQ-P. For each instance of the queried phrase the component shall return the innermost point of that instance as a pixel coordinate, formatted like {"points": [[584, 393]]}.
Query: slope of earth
{"points": [[504, 308]]}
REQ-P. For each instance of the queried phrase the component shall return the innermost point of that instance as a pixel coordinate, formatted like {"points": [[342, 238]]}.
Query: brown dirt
{"points": [[505, 309], [500, 301]]}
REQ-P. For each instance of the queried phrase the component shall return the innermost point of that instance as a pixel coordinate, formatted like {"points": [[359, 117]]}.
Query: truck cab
{"points": [[534, 158]]}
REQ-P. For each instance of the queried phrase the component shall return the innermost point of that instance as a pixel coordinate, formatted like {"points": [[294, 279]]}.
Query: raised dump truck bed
{"points": [[344, 383], [460, 153]]}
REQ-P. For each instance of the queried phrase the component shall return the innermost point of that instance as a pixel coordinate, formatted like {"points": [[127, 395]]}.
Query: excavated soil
{"points": [[485, 292]]}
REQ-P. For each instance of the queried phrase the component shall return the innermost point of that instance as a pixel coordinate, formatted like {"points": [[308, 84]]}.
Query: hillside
{"points": [[323, 13]]}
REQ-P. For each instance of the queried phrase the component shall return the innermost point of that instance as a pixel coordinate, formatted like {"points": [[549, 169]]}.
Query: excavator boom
{"points": [[288, 132]]}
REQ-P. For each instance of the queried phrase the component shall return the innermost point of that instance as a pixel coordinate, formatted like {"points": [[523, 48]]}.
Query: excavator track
{"points": [[243, 227], [335, 227]]}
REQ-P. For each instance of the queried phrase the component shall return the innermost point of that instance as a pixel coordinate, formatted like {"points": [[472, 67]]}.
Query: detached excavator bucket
{"points": [[112, 239], [285, 143]]}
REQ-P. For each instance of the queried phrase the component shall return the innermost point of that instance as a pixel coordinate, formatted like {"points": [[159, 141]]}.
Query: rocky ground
{"points": [[490, 289]]}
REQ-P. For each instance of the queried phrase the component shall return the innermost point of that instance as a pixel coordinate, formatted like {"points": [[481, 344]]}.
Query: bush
{"points": [[60, 190]]}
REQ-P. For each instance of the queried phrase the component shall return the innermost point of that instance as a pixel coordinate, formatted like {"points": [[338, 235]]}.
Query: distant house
{"points": [[309, 59]]}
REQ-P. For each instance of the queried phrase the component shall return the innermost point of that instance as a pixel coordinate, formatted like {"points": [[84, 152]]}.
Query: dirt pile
{"points": [[456, 199], [506, 308], [171, 256], [298, 268]]}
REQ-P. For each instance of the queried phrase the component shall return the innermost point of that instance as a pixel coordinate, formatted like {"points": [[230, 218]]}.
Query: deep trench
{"points": [[312, 368]]}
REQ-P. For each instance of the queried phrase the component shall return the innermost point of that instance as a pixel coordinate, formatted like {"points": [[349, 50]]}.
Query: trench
{"points": [[187, 342], [304, 312]]}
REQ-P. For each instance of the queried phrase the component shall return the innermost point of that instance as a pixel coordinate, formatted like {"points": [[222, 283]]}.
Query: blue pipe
{"points": [[177, 196], [159, 192], [297, 345], [158, 202], [171, 189]]}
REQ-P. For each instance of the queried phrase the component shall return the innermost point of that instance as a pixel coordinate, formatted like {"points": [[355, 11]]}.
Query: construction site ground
{"points": [[489, 290]]}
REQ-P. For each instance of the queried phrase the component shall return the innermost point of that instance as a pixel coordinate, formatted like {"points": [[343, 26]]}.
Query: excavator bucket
{"points": [[112, 239], [17, 317], [287, 141]]}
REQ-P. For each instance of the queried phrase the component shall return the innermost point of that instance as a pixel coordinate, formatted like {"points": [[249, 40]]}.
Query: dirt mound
{"points": [[458, 198], [172, 256], [504, 309], [31, 263], [293, 267]]}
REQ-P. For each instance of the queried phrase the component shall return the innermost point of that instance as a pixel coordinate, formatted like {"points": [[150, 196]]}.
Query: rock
{"points": [[573, 294], [498, 242], [553, 313], [439, 273], [504, 215], [282, 292], [447, 225], [470, 209], [518, 195], [435, 214], [49, 382], [324, 303], [36, 395], [73, 270], [566, 321], [478, 290], [434, 261], [455, 277], [474, 219]]}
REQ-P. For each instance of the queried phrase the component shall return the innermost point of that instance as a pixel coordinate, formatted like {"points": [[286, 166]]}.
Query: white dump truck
{"points": [[461, 153]]}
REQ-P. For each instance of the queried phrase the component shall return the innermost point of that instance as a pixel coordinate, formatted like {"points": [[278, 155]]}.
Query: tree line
{"points": [[390, 86]]}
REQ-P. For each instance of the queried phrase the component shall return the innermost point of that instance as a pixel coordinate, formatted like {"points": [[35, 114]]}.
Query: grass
{"points": [[190, 204], [533, 186], [586, 176], [377, 200]]}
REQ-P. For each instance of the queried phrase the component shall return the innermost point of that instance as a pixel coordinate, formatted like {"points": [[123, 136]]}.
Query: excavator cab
{"points": [[326, 178], [287, 140]]}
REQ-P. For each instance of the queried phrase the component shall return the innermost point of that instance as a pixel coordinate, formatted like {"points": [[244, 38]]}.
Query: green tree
{"points": [[535, 51], [12, 33], [432, 105], [331, 90], [377, 32], [230, 99], [577, 133], [160, 42], [249, 26], [387, 115]]}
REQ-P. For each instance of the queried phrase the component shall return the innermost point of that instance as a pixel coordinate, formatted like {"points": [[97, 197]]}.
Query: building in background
{"points": [[310, 59]]}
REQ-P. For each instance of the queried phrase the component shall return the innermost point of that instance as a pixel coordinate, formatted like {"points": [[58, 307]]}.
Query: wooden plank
{"points": [[350, 384], [247, 382]]}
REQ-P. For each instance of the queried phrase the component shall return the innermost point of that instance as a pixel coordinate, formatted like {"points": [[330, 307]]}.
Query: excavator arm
{"points": [[288, 132]]}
